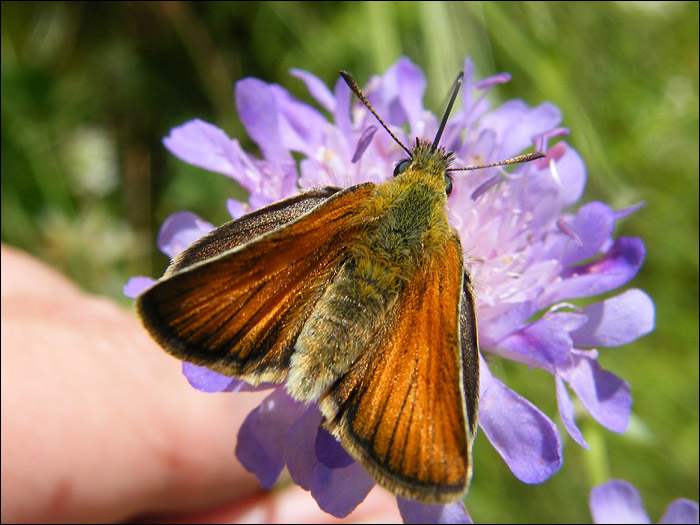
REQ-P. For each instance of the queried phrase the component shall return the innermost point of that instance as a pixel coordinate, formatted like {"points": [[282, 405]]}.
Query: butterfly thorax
{"points": [[411, 216]]}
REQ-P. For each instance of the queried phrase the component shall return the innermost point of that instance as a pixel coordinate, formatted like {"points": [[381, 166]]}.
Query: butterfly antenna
{"points": [[453, 97], [358, 93], [515, 160]]}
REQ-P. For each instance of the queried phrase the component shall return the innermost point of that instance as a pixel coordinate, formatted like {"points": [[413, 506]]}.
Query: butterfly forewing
{"points": [[240, 312], [400, 409], [248, 227]]}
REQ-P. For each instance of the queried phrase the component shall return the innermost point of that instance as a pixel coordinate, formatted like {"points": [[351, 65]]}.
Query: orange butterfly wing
{"points": [[240, 312], [246, 228], [400, 409]]}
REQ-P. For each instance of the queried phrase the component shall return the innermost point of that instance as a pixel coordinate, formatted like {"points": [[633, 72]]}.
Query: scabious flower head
{"points": [[529, 247], [618, 501]]}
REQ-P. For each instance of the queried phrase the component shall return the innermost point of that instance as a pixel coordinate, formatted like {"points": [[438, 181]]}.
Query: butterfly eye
{"points": [[401, 167], [448, 185]]}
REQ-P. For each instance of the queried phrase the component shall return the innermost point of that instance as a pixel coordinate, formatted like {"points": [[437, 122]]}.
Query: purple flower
{"points": [[529, 248], [618, 501]]}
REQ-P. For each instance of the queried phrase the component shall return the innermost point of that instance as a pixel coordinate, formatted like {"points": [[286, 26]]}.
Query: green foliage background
{"points": [[89, 90]]}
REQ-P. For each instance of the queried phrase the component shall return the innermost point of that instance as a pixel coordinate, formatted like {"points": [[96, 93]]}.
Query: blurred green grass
{"points": [[89, 90]]}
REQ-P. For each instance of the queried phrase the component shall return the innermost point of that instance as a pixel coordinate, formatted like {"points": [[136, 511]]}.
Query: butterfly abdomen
{"points": [[342, 324]]}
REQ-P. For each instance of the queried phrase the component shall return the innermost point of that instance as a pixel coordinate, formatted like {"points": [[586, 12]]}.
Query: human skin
{"points": [[99, 424]]}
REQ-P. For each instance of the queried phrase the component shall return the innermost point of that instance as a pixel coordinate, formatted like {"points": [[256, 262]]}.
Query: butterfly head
{"points": [[429, 162]]}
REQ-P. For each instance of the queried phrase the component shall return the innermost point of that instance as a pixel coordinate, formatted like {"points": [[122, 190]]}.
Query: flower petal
{"points": [[566, 412], [591, 229], [257, 109], [299, 447], [363, 143], [615, 268], [539, 196], [501, 320], [625, 212], [516, 125], [237, 209], [572, 171], [301, 127], [336, 490], [525, 438], [339, 491], [261, 437], [136, 285], [180, 230], [606, 397], [542, 144], [317, 89], [404, 83], [543, 343], [617, 502], [488, 82], [343, 101], [206, 380], [411, 83], [593, 225], [681, 510], [416, 512], [616, 321], [202, 144], [569, 321], [329, 451], [473, 108], [206, 146]]}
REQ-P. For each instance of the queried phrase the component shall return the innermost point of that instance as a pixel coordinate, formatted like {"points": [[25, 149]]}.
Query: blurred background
{"points": [[90, 89]]}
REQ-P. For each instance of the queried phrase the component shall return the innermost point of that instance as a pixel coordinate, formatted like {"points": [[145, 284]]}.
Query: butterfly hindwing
{"points": [[470, 352], [254, 224], [400, 409]]}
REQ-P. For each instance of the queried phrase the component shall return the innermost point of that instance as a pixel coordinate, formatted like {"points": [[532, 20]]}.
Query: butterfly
{"points": [[357, 299]]}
